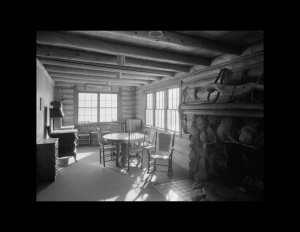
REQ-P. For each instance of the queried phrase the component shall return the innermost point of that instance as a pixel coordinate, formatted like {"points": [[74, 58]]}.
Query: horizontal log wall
{"points": [[65, 94], [251, 59], [128, 103]]}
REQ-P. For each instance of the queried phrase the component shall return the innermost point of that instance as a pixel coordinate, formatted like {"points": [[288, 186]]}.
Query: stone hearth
{"points": [[226, 158]]}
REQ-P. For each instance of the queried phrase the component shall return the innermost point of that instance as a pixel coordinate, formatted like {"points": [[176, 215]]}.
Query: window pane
{"points": [[94, 97], [102, 103], [114, 97], [102, 97], [94, 103], [88, 104], [80, 111], [80, 118], [94, 111], [81, 96], [88, 111], [102, 111], [81, 104], [94, 118], [114, 104], [88, 118], [88, 96]]}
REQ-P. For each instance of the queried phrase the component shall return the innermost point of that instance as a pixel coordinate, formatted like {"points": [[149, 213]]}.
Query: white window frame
{"points": [[98, 105], [165, 106]]}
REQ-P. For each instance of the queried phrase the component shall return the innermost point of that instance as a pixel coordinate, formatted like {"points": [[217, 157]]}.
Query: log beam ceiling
{"points": [[173, 38], [96, 78], [79, 55], [69, 56], [94, 45]]}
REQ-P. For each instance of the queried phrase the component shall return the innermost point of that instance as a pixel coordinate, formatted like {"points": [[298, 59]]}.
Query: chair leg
{"points": [[170, 167], [104, 158], [142, 159], [100, 154], [128, 161], [149, 157]]}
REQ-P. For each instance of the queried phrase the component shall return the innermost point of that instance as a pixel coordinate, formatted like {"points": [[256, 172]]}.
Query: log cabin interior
{"points": [[206, 86]]}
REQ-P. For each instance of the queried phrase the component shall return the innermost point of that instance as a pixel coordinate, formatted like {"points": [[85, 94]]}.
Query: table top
{"points": [[123, 137]]}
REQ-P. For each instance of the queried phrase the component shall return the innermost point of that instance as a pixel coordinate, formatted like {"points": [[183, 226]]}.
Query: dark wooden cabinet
{"points": [[46, 152]]}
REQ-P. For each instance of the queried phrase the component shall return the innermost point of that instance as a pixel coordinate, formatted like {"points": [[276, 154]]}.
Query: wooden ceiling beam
{"points": [[107, 67], [88, 44], [76, 81], [177, 39], [156, 65], [133, 76], [79, 55], [76, 55], [61, 69], [96, 78], [53, 68]]}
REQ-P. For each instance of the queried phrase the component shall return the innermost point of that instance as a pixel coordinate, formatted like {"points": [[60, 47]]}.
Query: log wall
{"points": [[251, 59], [65, 94], [128, 103]]}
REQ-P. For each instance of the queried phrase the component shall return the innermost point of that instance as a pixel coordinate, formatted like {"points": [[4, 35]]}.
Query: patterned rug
{"points": [[175, 190]]}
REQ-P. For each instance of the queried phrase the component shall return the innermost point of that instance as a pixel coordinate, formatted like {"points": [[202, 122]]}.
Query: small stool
{"points": [[83, 139], [63, 161]]}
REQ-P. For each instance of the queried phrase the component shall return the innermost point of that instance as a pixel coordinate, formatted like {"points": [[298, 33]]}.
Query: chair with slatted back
{"points": [[135, 148], [154, 156], [103, 147], [83, 135], [117, 127], [150, 142]]}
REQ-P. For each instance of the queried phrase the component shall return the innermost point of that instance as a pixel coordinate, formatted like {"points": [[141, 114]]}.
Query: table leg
{"points": [[118, 154]]}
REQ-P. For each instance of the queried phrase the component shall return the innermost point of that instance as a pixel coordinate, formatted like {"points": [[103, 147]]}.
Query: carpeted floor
{"points": [[88, 180]]}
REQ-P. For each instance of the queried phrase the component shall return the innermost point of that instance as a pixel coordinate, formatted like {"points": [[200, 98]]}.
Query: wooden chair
{"points": [[82, 134], [104, 147], [133, 149], [150, 142], [156, 157], [117, 127]]}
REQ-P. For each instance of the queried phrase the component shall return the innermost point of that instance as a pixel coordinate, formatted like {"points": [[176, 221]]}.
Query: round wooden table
{"points": [[119, 138]]}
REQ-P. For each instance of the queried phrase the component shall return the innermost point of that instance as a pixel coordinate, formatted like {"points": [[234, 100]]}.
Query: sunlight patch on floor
{"points": [[80, 156], [172, 196], [133, 193], [142, 197]]}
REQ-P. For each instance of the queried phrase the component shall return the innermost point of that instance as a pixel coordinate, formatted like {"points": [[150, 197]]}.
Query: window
{"points": [[108, 107], [163, 111], [149, 109], [90, 105], [159, 110], [172, 111], [87, 107]]}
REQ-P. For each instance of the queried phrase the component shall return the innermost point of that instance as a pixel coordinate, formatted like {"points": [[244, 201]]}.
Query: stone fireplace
{"points": [[226, 157]]}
